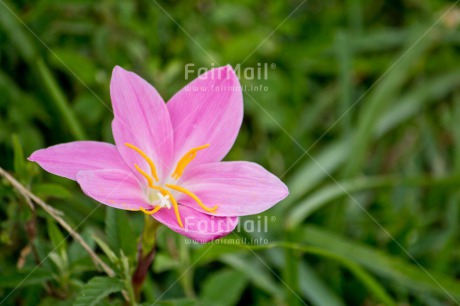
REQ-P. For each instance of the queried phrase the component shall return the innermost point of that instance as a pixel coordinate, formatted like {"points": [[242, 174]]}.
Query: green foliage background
{"points": [[361, 119]]}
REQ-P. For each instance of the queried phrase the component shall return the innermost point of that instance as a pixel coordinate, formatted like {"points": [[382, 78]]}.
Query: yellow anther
{"points": [[193, 196], [147, 159], [150, 212], [185, 160]]}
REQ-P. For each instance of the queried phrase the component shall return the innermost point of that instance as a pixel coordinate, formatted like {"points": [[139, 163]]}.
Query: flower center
{"points": [[166, 194]]}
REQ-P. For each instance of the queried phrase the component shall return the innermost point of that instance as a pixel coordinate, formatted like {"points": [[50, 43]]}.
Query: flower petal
{"points": [[141, 119], [69, 158], [197, 226], [238, 188], [117, 188], [209, 110]]}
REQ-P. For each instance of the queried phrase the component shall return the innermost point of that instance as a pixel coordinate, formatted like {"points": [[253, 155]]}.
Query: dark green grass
{"points": [[361, 119]]}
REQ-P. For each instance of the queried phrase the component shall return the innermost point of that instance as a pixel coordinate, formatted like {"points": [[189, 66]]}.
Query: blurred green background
{"points": [[361, 119]]}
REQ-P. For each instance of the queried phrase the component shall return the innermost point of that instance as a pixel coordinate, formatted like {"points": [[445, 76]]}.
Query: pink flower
{"points": [[167, 157]]}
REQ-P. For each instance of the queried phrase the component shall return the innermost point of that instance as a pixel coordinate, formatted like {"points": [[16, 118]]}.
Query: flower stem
{"points": [[145, 254]]}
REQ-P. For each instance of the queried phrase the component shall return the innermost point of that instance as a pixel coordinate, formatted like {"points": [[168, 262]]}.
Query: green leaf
{"points": [[329, 193], [177, 302], [57, 239], [312, 172], [17, 33], [313, 288], [429, 91], [386, 89], [336, 190], [416, 278], [257, 274], [164, 262], [223, 288], [60, 102], [18, 155], [120, 234], [97, 289], [207, 253], [106, 249], [76, 64], [359, 272], [76, 251], [51, 190], [25, 278], [53, 301]]}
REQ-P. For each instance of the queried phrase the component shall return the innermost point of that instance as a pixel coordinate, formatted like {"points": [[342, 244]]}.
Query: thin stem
{"points": [[145, 254], [187, 273], [56, 216]]}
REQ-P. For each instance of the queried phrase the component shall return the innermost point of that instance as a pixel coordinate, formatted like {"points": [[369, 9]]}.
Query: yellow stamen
{"points": [[147, 177], [193, 196], [161, 189], [185, 160], [173, 200], [147, 159], [150, 212]]}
